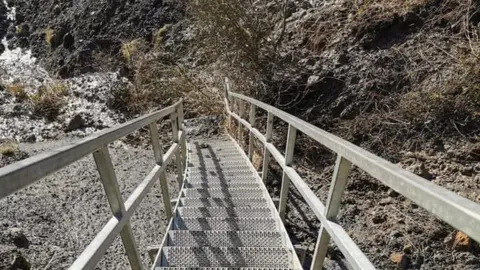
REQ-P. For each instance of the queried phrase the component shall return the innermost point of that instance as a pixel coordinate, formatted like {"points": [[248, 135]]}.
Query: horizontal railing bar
{"points": [[96, 249], [94, 252], [32, 169], [141, 191], [457, 211], [23, 173], [353, 254]]}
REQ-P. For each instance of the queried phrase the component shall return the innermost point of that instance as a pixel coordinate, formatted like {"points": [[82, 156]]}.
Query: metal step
{"points": [[214, 164], [220, 169], [226, 224], [223, 192], [224, 212], [222, 164], [216, 156], [218, 149], [225, 239], [219, 268], [233, 157], [223, 202], [223, 185], [223, 179], [223, 174], [209, 153], [226, 257]]}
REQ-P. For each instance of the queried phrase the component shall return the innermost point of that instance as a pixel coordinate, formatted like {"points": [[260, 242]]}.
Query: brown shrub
{"points": [[234, 29], [158, 82]]}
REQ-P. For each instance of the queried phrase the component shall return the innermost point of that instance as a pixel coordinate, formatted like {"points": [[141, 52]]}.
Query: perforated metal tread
{"points": [[226, 257], [225, 239], [199, 157], [223, 192], [219, 168], [218, 158], [223, 179], [226, 224], [223, 202], [249, 185], [218, 268], [225, 212], [224, 173]]}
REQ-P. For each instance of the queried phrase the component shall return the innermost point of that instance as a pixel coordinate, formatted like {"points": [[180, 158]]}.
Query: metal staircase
{"points": [[224, 216]]}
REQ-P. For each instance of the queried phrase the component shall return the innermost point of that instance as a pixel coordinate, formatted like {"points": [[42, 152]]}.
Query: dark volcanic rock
{"points": [[3, 23], [18, 238], [74, 37], [76, 123]]}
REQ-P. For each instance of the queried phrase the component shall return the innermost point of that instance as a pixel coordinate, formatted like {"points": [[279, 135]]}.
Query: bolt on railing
{"points": [[459, 212], [19, 175]]}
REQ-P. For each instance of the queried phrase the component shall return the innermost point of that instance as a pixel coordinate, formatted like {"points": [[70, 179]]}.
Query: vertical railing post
{"points": [[110, 184], [250, 138], [184, 141], [178, 156], [266, 152], [229, 101], [291, 138], [241, 112], [158, 152], [337, 187]]}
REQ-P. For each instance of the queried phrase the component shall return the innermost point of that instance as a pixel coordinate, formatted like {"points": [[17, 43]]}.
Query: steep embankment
{"points": [[398, 78]]}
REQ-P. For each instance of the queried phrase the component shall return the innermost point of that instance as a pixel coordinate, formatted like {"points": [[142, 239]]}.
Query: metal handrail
{"points": [[21, 174], [459, 212]]}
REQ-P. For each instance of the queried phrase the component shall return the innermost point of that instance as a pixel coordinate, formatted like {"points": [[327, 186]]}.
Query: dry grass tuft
{"points": [[49, 99], [131, 49], [50, 36], [9, 147], [18, 91], [158, 40], [389, 7]]}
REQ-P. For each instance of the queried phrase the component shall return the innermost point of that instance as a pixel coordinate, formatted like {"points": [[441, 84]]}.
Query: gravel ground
{"points": [[62, 213], [49, 224]]}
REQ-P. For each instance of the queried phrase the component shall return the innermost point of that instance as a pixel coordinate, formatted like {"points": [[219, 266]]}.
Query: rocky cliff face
{"points": [[75, 45], [74, 37], [3, 23]]}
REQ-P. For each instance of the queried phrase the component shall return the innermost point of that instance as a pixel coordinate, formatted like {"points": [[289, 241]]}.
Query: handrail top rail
{"points": [[23, 173], [456, 210]]}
